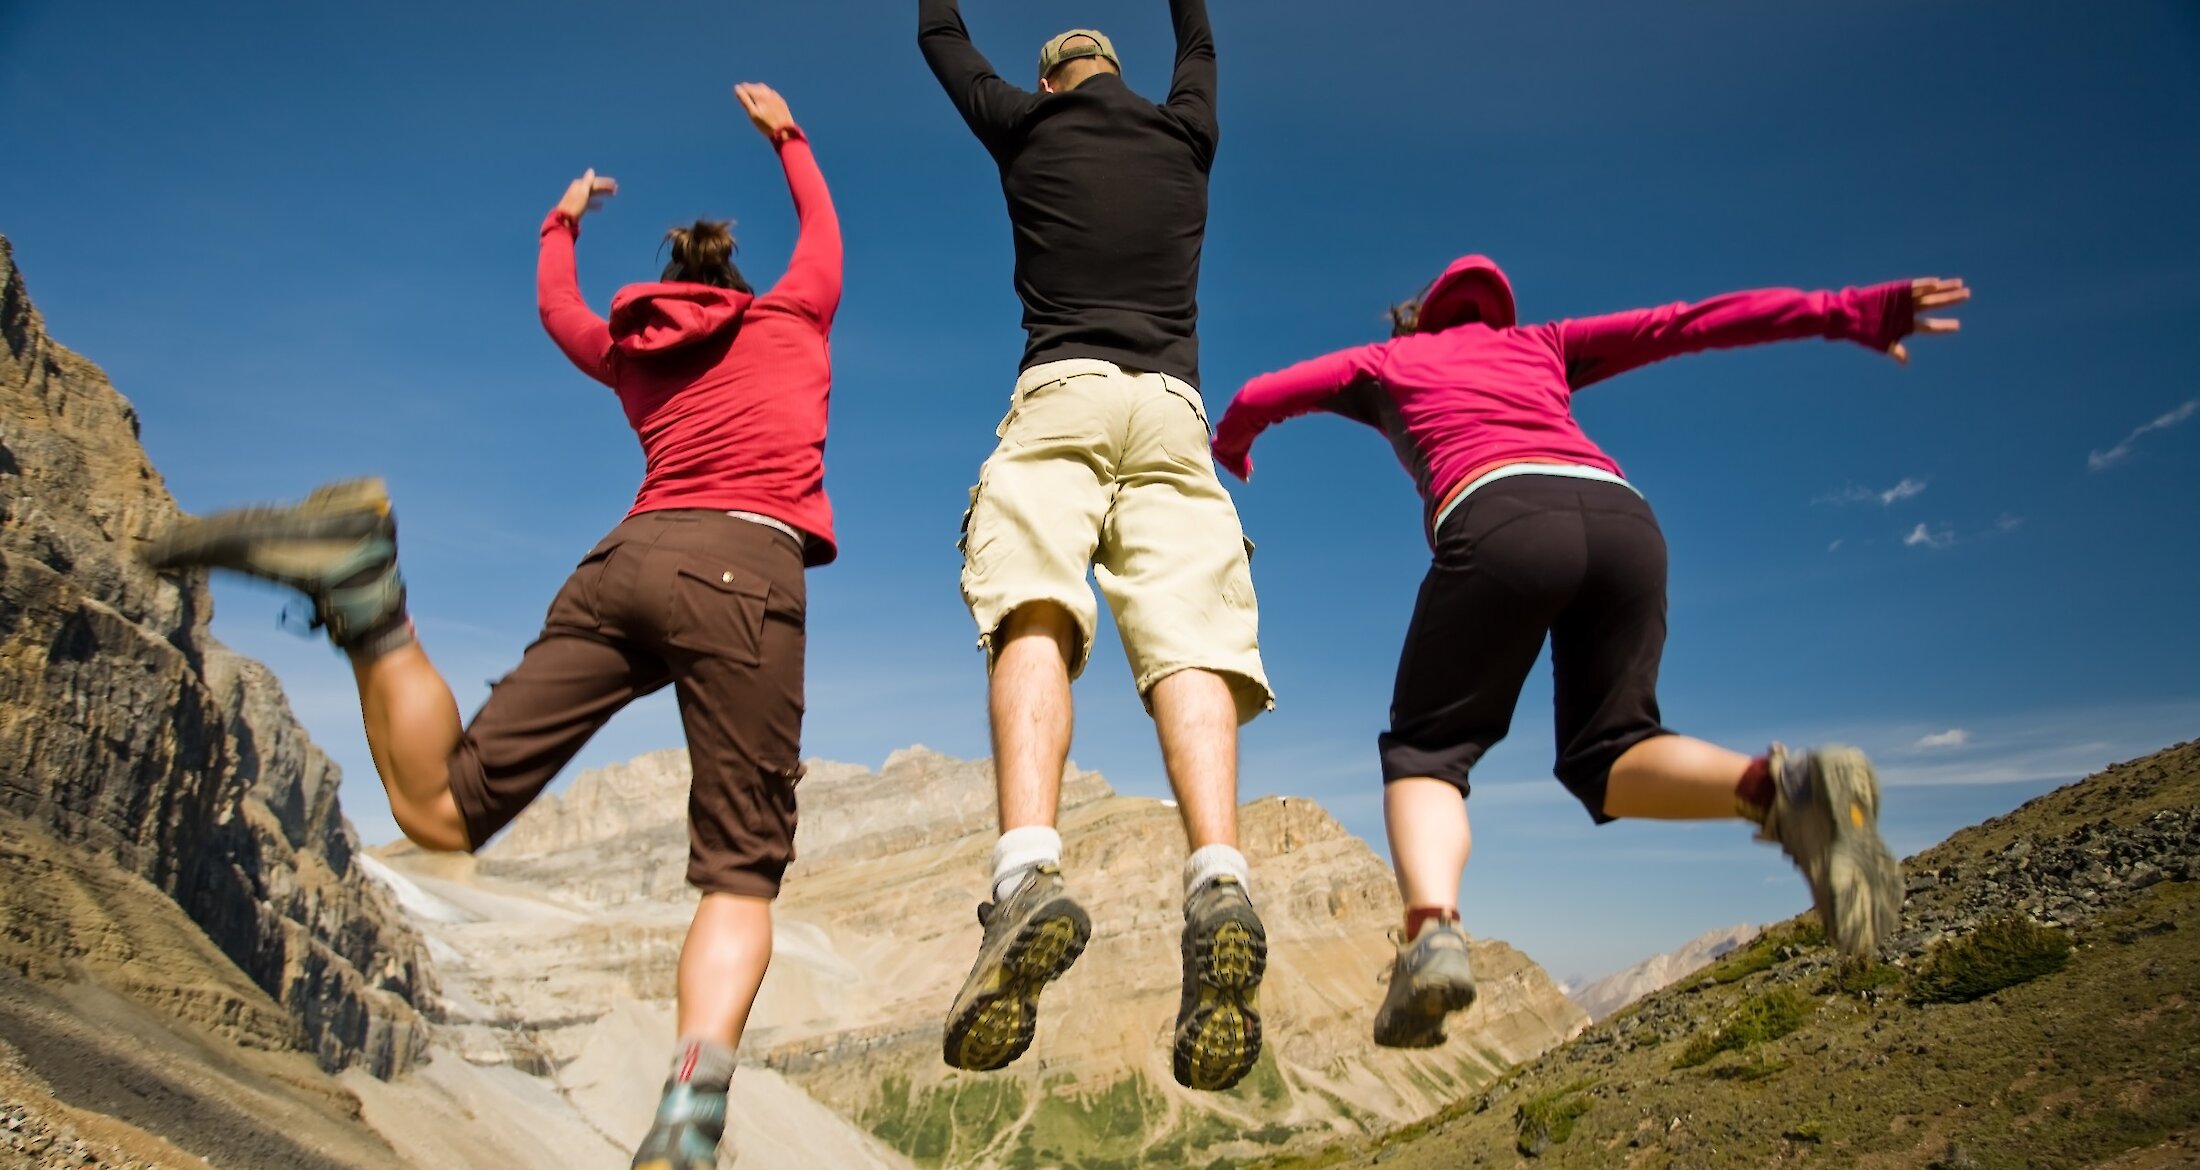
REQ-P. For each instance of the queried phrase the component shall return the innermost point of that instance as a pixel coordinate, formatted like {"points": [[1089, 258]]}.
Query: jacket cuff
{"points": [[788, 133], [1887, 313], [557, 219]]}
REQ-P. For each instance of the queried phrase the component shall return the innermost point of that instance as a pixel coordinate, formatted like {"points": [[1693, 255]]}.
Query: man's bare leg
{"points": [[1196, 717], [1032, 717], [1225, 948], [1033, 929]]}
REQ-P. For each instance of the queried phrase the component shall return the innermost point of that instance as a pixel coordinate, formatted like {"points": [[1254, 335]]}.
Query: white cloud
{"points": [[2103, 460], [1834, 547], [1922, 536], [1901, 491], [2008, 523], [1953, 737], [1889, 497]]}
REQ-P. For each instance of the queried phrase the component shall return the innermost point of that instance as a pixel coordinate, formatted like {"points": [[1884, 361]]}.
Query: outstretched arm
{"points": [[990, 105], [812, 281], [1317, 384], [1879, 317], [1192, 90], [578, 331]]}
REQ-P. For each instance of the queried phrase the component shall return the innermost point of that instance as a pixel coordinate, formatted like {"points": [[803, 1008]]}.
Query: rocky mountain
{"points": [[128, 732], [182, 902], [1615, 991], [556, 946], [2041, 1009]]}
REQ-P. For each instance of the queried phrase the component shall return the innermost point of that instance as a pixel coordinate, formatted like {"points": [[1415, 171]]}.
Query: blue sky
{"points": [[301, 239]]}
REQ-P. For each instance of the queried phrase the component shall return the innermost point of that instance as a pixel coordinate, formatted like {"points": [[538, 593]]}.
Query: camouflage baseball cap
{"points": [[1077, 42]]}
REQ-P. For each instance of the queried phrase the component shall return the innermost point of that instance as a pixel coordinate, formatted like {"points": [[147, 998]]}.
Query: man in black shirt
{"points": [[1103, 467]]}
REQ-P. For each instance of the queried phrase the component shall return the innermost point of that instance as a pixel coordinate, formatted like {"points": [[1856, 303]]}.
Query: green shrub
{"points": [[1741, 964], [1857, 976], [1760, 1018], [1755, 1069], [2002, 952], [1545, 1121]]}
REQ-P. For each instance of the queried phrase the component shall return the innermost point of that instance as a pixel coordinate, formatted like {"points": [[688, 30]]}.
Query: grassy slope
{"points": [[2090, 1065]]}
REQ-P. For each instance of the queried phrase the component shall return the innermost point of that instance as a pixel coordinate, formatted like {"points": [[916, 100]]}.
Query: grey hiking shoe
{"points": [[1031, 938], [1825, 815], [686, 1131], [1429, 980], [1218, 1020], [338, 546]]}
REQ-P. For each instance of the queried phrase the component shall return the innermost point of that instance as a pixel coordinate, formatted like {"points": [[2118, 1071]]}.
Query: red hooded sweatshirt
{"points": [[727, 391], [1471, 391]]}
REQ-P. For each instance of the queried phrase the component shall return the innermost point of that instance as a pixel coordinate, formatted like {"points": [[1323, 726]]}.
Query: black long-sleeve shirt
{"points": [[1107, 193]]}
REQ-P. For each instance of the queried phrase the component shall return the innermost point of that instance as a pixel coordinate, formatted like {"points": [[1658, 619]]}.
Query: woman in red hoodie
{"points": [[699, 588], [1536, 534]]}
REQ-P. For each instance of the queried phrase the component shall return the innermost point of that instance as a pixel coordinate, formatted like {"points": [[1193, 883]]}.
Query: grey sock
{"points": [[704, 1064]]}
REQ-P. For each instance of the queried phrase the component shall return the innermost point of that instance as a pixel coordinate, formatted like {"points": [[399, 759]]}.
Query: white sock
{"points": [[1212, 861], [1018, 852]]}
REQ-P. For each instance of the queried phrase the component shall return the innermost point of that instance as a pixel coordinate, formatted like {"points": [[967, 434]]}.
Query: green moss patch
{"points": [[2002, 952], [1760, 1018]]}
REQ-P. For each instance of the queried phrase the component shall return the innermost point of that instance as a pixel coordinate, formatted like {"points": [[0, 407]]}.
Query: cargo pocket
{"points": [[718, 609], [971, 543], [1237, 590]]}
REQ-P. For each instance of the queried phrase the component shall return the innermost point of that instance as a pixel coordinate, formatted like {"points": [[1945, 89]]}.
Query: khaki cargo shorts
{"points": [[1106, 470]]}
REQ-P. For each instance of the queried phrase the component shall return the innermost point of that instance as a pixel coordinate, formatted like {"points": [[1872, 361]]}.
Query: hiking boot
{"points": [[1428, 981], [1031, 938], [1825, 815], [1218, 1020], [686, 1132], [338, 547]]}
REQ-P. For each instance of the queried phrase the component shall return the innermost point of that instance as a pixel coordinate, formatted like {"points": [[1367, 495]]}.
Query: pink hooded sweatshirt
{"points": [[1472, 391]]}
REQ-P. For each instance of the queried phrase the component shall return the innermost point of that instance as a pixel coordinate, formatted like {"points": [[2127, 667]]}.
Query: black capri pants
{"points": [[1580, 560]]}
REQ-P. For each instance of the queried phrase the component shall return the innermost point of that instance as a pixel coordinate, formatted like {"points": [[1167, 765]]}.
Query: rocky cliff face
{"points": [[127, 731], [563, 933]]}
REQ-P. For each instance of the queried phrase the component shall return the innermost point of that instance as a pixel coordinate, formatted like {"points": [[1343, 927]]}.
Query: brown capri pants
{"points": [[706, 602]]}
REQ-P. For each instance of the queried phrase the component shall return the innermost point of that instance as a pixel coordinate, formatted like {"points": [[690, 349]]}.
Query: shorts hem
{"points": [[988, 640], [740, 883], [1249, 689]]}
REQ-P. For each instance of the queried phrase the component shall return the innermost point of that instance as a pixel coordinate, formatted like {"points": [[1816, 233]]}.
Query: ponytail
{"points": [[703, 254]]}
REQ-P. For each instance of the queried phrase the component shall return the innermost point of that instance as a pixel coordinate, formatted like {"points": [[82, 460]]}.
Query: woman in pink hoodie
{"points": [[699, 588], [1536, 534]]}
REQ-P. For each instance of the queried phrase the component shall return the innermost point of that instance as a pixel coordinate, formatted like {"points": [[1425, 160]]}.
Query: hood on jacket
{"points": [[654, 318], [1474, 288]]}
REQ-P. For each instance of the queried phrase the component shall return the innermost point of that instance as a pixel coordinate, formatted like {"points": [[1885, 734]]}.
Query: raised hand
{"points": [[764, 107], [587, 194], [1932, 292]]}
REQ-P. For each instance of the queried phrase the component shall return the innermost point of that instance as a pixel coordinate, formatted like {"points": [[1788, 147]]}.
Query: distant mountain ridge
{"points": [[1615, 991], [875, 931]]}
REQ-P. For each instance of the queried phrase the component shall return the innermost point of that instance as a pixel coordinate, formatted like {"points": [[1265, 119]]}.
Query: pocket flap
{"points": [[728, 579]]}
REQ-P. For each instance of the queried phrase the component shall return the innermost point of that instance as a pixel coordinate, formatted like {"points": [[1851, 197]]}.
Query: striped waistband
{"points": [[1562, 470]]}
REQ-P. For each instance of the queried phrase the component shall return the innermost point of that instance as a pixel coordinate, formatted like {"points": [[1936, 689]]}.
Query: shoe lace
{"points": [[287, 619], [1398, 939]]}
